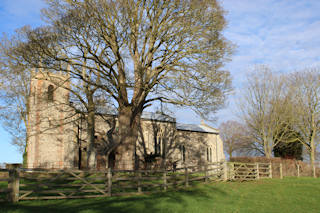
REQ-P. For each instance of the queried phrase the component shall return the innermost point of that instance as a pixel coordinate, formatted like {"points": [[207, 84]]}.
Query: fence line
{"points": [[35, 184]]}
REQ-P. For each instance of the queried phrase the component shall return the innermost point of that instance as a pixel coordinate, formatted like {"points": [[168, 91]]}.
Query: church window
{"points": [[50, 93], [159, 143], [183, 153], [209, 154]]}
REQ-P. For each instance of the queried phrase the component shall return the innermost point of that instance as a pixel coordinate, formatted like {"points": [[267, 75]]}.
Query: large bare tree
{"points": [[137, 52]]}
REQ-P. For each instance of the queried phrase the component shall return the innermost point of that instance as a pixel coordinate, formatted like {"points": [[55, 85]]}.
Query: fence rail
{"points": [[34, 184]]}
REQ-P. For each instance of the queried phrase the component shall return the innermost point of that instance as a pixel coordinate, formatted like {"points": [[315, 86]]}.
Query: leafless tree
{"points": [[306, 86], [267, 108], [233, 135], [14, 95], [137, 52]]}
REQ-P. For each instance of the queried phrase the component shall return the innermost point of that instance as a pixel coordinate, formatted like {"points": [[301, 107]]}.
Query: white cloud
{"points": [[283, 34]]}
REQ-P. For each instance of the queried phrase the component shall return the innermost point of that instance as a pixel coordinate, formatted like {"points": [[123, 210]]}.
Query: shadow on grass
{"points": [[171, 201]]}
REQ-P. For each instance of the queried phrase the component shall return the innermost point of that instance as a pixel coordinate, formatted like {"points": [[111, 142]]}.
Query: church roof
{"points": [[157, 117], [161, 117], [112, 111], [197, 128]]}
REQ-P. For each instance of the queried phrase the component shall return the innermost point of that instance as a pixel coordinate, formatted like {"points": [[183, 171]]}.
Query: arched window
{"points": [[159, 143], [183, 153], [50, 93]]}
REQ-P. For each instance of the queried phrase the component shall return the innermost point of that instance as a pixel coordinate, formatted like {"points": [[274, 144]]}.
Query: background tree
{"points": [[14, 95], [306, 87], [137, 52], [290, 147], [234, 137], [291, 150], [266, 108]]}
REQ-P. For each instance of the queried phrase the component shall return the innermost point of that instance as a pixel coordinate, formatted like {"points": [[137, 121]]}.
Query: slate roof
{"points": [[197, 128], [161, 117], [113, 111], [157, 117]]}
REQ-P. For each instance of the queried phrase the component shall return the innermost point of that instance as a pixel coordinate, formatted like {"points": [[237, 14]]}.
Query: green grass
{"points": [[3, 185], [287, 195]]}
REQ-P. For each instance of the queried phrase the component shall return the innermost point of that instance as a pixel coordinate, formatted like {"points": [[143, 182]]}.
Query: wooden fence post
{"points": [[206, 172], [257, 171], [298, 170], [231, 171], [139, 182], [225, 171], [109, 181], [165, 180], [270, 170], [13, 184], [281, 175], [186, 176]]}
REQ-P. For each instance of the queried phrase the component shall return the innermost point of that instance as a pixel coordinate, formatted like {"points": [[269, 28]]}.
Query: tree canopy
{"points": [[134, 52]]}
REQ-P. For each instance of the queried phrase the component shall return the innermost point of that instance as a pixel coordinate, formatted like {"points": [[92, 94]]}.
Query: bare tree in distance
{"points": [[267, 108], [137, 52], [233, 136], [306, 87], [14, 95]]}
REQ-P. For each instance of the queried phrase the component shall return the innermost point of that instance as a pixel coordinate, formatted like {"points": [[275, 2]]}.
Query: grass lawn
{"points": [[287, 195]]}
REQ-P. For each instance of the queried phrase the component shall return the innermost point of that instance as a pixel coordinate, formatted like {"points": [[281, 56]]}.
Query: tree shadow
{"points": [[155, 202]]}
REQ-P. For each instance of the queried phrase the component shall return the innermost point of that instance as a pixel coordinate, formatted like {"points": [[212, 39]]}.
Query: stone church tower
{"points": [[50, 129]]}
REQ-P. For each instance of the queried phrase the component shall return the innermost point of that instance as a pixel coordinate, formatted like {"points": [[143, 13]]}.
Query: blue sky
{"points": [[283, 34]]}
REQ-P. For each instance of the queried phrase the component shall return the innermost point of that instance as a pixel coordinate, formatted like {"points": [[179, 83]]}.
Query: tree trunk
{"points": [[230, 153], [25, 154], [312, 157], [91, 161], [269, 146], [312, 146], [164, 153], [128, 133], [267, 150]]}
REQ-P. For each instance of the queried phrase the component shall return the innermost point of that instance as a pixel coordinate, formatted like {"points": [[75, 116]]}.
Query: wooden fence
{"points": [[4, 185], [249, 171], [34, 184]]}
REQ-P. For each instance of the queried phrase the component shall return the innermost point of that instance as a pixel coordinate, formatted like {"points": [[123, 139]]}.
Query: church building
{"points": [[57, 136]]}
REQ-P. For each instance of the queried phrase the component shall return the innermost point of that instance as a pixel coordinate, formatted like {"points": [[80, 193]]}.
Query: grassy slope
{"points": [[288, 195]]}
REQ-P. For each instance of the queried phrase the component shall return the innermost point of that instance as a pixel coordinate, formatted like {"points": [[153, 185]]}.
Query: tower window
{"points": [[50, 93]]}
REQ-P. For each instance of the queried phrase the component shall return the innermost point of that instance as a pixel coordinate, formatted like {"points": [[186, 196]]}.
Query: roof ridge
{"points": [[206, 125], [196, 128]]}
